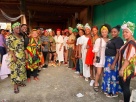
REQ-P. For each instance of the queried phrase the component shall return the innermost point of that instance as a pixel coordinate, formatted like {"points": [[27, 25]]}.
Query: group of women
{"points": [[100, 57], [94, 56]]}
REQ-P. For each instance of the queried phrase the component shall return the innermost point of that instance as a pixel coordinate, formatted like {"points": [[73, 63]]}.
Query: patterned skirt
{"points": [[110, 82]]}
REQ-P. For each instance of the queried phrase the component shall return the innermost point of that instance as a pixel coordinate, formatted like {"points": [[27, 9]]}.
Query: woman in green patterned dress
{"points": [[33, 55], [15, 45]]}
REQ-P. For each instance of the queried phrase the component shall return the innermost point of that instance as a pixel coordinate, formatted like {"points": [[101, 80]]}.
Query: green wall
{"points": [[115, 12]]}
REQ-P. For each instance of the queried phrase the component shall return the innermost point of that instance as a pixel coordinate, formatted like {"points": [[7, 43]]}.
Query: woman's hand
{"points": [[14, 58], [94, 61], [121, 72], [112, 67]]}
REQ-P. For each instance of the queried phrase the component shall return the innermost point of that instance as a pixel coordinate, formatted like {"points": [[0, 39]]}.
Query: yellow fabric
{"points": [[104, 28], [130, 68]]}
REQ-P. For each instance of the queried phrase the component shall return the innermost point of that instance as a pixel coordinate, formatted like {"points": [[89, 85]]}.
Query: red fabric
{"points": [[89, 54], [58, 30]]}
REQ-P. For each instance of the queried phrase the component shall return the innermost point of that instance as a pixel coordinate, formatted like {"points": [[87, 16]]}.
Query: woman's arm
{"points": [[115, 60]]}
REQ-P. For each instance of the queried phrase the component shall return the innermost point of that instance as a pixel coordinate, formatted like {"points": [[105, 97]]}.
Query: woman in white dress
{"points": [[59, 46], [83, 50], [99, 50]]}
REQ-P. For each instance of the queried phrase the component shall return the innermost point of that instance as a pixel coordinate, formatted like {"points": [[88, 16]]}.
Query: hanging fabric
{"points": [[10, 18]]}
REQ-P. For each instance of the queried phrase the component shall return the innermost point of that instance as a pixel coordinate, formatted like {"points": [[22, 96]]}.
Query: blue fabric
{"points": [[110, 82]]}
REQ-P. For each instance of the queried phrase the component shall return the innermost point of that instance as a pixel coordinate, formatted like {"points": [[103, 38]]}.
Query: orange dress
{"points": [[89, 54]]}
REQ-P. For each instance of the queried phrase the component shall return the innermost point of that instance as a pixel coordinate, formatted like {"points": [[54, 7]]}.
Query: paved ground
{"points": [[58, 84]]}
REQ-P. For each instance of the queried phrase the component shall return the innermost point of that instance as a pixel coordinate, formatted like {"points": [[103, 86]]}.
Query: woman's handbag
{"points": [[98, 57]]}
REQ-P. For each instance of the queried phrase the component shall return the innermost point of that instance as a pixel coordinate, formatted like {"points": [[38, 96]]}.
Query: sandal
{"points": [[96, 88], [16, 90]]}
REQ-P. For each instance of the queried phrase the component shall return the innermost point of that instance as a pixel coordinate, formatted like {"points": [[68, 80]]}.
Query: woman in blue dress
{"points": [[110, 83]]}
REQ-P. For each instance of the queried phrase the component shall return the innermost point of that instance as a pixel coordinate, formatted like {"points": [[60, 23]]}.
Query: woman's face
{"points": [[114, 33], [81, 32], [58, 32], [46, 33], [104, 33], [94, 31], [24, 28], [51, 33], [87, 31], [16, 30], [34, 34], [127, 34]]}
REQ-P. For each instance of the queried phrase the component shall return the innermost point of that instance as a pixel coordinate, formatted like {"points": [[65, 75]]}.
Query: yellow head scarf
{"points": [[104, 28]]}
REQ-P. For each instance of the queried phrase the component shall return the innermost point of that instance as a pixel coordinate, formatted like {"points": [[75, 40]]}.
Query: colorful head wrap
{"points": [[66, 30], [87, 26], [45, 31], [58, 30], [70, 28], [49, 30], [15, 25], [74, 30], [104, 28], [128, 25], [79, 26]]}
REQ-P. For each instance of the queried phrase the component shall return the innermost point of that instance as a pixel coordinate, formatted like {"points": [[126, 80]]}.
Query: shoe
{"points": [[92, 82], [86, 79], [108, 95], [116, 95], [96, 88], [44, 68], [77, 72], [16, 90]]}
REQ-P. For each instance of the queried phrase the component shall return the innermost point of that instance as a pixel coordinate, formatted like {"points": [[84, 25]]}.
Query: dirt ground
{"points": [[58, 84]]}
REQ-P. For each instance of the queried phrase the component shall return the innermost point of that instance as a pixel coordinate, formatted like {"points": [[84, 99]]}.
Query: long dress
{"points": [[33, 49], [86, 69], [59, 41], [18, 70], [89, 54], [110, 83]]}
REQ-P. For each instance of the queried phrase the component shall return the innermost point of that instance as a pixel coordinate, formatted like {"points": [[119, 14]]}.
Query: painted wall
{"points": [[115, 12]]}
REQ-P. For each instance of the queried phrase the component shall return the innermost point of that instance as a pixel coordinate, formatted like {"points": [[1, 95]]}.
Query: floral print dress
{"points": [[18, 70]]}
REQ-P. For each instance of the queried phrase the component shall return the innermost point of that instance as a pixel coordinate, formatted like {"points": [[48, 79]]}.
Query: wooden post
{"points": [[23, 11]]}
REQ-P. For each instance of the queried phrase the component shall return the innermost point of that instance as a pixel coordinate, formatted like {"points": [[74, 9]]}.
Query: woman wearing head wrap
{"points": [[90, 54], [83, 51], [65, 38], [110, 83], [15, 44], [59, 46], [33, 55], [99, 57], [71, 47], [127, 59], [52, 49]]}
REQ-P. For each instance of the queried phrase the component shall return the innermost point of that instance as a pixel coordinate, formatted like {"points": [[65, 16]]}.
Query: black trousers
{"points": [[2, 52], [45, 54], [33, 73], [125, 88]]}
